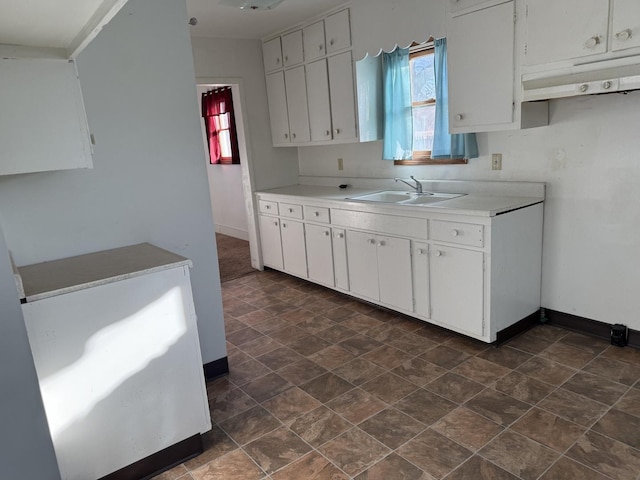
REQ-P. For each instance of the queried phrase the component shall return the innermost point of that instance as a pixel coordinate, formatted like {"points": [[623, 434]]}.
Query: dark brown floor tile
{"points": [[356, 405], [339, 314], [288, 334], [387, 356], [276, 449], [505, 356], [519, 455], [477, 468], [548, 429], [393, 467], [218, 386], [279, 308], [501, 408], [630, 402], [255, 317], [481, 371], [392, 427], [234, 466], [620, 372], [434, 453], [595, 388], [359, 371], [359, 344], [467, 428], [546, 371], [528, 343], [620, 426], [445, 357], [336, 333], [584, 342], [413, 344], [229, 404], [385, 333], [279, 358], [425, 406], [316, 324], [178, 472], [312, 466], [419, 371], [567, 355], [326, 387], [301, 372], [245, 335], [216, 444], [239, 308], [332, 357], [319, 426], [615, 459], [309, 345], [354, 451], [573, 407], [433, 333], [260, 346], [567, 469], [469, 345], [264, 388], [270, 325], [291, 404], [524, 388], [299, 317], [626, 354], [250, 425], [246, 372], [454, 387], [389, 387], [235, 356], [548, 332]]}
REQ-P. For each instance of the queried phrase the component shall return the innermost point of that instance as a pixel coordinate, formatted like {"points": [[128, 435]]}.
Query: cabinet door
{"points": [[296, 91], [363, 264], [272, 55], [338, 32], [565, 30], [293, 248], [625, 27], [313, 36], [279, 118], [292, 48], [394, 272], [319, 254], [271, 242], [420, 270], [318, 96], [341, 90], [457, 288], [481, 81], [340, 267]]}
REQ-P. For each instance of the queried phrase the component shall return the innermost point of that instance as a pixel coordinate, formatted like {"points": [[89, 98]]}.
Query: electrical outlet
{"points": [[340, 164], [496, 161]]}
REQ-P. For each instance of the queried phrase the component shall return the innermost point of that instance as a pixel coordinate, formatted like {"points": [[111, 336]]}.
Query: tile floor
{"points": [[323, 387]]}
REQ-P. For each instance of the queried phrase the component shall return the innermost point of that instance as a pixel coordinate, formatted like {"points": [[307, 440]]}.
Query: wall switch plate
{"points": [[496, 161], [340, 164]]}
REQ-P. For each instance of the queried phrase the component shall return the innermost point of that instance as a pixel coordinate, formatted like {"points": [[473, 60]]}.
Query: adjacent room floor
{"points": [[323, 387]]}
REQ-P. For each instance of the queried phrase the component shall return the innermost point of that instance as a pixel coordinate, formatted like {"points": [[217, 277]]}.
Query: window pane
{"points": [[423, 84], [224, 120], [423, 123], [225, 143]]}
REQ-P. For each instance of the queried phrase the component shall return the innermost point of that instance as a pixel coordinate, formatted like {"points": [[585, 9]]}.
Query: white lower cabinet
{"points": [[340, 265], [294, 254], [320, 254], [271, 242], [380, 268], [420, 270]]}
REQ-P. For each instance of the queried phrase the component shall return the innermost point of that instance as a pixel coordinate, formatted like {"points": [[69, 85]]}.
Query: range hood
{"points": [[607, 76]]}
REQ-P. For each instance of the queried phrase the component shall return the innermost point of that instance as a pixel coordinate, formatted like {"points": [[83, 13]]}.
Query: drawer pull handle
{"points": [[291, 210], [268, 207], [316, 214], [455, 233]]}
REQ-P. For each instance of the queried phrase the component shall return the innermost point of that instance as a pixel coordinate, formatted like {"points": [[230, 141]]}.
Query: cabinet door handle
{"points": [[624, 35], [327, 133], [339, 235], [592, 42], [454, 233], [459, 117], [381, 243], [286, 135], [438, 253], [286, 59], [606, 85], [278, 61], [584, 87], [332, 41], [320, 47], [326, 234], [293, 135], [372, 241], [275, 223], [337, 130], [284, 225], [421, 251]]}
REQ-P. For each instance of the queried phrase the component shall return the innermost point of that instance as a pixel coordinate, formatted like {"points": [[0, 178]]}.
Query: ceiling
{"points": [[216, 18]]}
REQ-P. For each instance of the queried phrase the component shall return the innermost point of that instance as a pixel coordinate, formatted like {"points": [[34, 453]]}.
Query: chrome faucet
{"points": [[417, 187]]}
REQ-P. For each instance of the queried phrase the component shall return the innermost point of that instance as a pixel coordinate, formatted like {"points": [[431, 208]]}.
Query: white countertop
{"points": [[49, 279], [485, 204]]}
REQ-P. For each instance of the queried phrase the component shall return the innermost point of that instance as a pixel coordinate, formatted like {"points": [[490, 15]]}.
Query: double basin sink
{"points": [[398, 197]]}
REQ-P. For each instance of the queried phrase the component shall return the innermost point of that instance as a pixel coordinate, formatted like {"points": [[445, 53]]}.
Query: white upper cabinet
{"points": [[319, 102], [314, 44], [625, 27], [338, 32], [296, 87], [292, 53], [277, 95], [43, 125], [343, 113], [567, 29], [272, 54]]}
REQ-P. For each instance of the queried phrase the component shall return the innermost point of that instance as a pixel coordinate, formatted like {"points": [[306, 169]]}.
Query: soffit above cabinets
{"points": [[64, 25]]}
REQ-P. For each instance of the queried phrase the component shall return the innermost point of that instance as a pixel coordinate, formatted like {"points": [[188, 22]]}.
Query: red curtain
{"points": [[220, 125]]}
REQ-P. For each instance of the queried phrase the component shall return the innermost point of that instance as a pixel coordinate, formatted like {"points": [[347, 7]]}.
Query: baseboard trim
{"points": [[517, 328], [216, 368], [232, 232], [587, 326], [160, 461]]}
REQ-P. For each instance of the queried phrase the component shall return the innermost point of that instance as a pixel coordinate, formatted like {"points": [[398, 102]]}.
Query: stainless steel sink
{"points": [[406, 198]]}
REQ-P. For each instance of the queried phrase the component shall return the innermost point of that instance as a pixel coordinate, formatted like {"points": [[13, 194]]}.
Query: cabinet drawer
{"points": [[316, 214], [268, 207], [379, 223], [460, 233], [290, 210]]}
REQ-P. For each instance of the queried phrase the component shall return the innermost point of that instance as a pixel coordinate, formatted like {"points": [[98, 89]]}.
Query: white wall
{"points": [[242, 59], [149, 181], [588, 157]]}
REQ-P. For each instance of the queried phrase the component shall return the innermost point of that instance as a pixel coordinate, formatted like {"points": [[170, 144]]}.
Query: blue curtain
{"points": [[398, 120], [462, 145]]}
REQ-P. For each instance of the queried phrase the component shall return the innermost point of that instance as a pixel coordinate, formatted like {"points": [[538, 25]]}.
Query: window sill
{"points": [[431, 161]]}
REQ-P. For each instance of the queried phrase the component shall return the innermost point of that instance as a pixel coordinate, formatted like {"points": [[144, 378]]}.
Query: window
{"points": [[423, 106], [219, 119]]}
